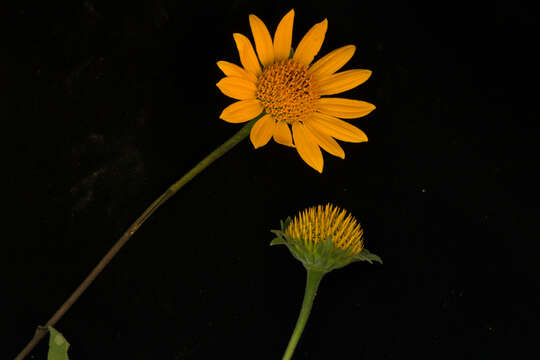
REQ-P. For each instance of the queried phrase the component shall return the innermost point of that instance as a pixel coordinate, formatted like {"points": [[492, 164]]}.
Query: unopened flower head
{"points": [[287, 92], [324, 238], [317, 224]]}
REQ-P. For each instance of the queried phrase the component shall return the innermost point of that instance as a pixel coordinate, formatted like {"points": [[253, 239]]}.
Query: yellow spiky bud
{"points": [[324, 238]]}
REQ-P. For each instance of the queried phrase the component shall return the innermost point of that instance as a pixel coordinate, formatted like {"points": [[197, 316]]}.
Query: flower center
{"points": [[286, 91]]}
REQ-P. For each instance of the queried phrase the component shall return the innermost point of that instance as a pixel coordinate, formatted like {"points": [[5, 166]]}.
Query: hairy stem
{"points": [[216, 154]]}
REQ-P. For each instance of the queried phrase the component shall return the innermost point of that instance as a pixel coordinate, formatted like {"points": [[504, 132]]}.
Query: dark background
{"points": [[107, 103]]}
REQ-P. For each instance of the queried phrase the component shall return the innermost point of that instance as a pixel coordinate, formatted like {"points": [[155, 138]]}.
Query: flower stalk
{"points": [[322, 238], [173, 189], [313, 280]]}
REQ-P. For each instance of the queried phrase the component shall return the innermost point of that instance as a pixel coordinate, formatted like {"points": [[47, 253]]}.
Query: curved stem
{"points": [[216, 154], [312, 283]]}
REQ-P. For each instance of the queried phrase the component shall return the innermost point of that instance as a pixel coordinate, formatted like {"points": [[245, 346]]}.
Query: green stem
{"points": [[216, 154], [312, 283]]}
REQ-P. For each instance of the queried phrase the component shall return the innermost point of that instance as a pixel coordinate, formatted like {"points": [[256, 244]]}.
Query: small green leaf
{"points": [[277, 233], [278, 241], [365, 255], [58, 346]]}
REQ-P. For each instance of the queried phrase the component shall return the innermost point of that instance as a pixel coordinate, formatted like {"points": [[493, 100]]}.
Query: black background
{"points": [[107, 103]]}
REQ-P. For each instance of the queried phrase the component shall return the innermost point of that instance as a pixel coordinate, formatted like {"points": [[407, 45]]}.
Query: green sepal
{"points": [[278, 241], [325, 248], [285, 223], [280, 237], [291, 53], [58, 345], [365, 255]]}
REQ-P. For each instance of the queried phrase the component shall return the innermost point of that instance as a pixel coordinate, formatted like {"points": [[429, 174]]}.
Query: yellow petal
{"points": [[344, 108], [336, 128], [242, 111], [283, 37], [237, 88], [311, 43], [332, 62], [263, 40], [307, 147], [262, 131], [247, 54], [343, 81], [282, 134], [230, 69], [326, 142]]}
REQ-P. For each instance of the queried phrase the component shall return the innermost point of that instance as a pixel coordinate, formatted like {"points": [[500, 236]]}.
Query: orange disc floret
{"points": [[287, 91]]}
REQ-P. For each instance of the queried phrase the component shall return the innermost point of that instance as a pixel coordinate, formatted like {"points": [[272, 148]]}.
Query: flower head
{"points": [[324, 238], [286, 91]]}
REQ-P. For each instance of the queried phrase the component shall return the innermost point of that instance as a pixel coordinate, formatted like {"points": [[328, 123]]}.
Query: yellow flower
{"points": [[324, 238], [287, 90]]}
